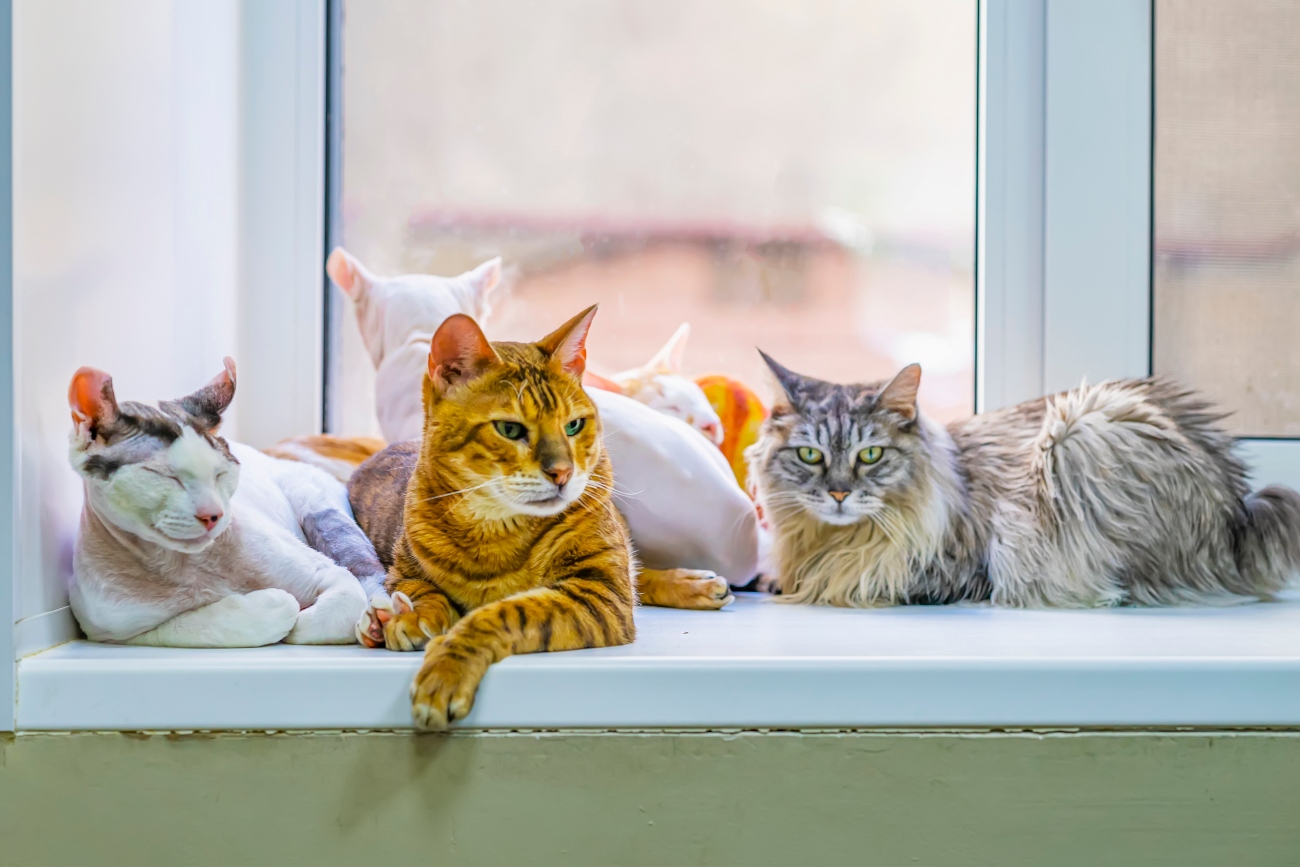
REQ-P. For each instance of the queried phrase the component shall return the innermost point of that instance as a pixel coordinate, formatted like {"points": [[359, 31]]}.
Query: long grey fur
{"points": [[1123, 492]]}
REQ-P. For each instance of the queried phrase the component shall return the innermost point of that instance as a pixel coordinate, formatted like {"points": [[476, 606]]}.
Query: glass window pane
{"points": [[797, 176], [1227, 206]]}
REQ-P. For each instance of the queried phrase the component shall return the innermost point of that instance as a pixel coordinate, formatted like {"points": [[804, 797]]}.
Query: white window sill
{"points": [[758, 664]]}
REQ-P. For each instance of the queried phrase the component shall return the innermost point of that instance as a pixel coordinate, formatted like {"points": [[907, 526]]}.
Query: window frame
{"points": [[1063, 154]]}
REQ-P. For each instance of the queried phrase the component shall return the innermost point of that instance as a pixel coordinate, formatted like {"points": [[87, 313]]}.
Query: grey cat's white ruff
{"points": [[187, 541], [1120, 492]]}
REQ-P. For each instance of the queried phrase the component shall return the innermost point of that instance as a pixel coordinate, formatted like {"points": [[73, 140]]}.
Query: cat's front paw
{"points": [[443, 690], [379, 610], [261, 617], [332, 618], [410, 628]]}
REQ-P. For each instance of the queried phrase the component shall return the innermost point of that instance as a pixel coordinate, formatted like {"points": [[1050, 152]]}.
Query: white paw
{"points": [[379, 610], [263, 616], [332, 619]]}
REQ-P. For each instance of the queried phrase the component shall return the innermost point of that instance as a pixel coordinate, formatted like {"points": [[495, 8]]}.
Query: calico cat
{"points": [[507, 540], [1125, 492], [661, 385], [189, 541]]}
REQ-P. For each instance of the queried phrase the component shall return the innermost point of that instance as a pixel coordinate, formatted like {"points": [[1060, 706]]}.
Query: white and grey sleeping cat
{"points": [[187, 541], [1125, 492]]}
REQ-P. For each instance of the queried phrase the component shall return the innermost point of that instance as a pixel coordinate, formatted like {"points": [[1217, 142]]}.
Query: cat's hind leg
{"points": [[695, 589], [241, 620]]}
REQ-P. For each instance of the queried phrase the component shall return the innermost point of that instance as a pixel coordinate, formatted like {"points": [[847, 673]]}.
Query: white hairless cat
{"points": [[188, 541]]}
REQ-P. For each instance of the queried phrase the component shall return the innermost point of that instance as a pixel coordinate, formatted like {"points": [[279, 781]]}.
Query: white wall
{"points": [[126, 143]]}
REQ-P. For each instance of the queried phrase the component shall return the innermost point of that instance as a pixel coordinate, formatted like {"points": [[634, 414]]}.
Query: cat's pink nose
{"points": [[208, 517], [559, 475]]}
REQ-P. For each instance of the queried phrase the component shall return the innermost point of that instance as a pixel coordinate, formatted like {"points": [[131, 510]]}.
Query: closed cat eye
{"points": [[809, 455], [871, 454], [511, 430], [574, 426]]}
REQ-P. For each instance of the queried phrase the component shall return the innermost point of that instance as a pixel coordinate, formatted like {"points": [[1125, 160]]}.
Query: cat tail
{"points": [[1268, 539], [338, 456]]}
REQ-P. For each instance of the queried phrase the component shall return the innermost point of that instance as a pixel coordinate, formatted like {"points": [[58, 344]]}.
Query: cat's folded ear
{"points": [[899, 395], [670, 357], [458, 352], [568, 343], [790, 383], [93, 404], [604, 383], [348, 273], [206, 405]]}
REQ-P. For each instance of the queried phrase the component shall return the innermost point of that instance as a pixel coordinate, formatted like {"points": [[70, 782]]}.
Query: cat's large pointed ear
{"points": [[670, 357], [485, 278], [900, 395], [93, 404], [790, 383], [348, 273], [458, 352], [568, 343], [206, 405]]}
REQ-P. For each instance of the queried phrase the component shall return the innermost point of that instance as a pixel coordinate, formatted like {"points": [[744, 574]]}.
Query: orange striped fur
{"points": [[742, 413], [338, 456], [491, 558]]}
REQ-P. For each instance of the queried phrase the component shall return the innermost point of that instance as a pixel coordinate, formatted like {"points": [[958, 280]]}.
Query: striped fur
{"points": [[504, 545]]}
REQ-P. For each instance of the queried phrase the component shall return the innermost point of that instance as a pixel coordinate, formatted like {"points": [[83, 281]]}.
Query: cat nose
{"points": [[208, 517], [838, 496], [712, 431], [560, 475]]}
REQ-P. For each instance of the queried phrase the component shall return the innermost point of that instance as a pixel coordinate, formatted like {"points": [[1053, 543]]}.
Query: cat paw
{"points": [[266, 616], [443, 690], [332, 618], [695, 589], [407, 628], [767, 584], [370, 627]]}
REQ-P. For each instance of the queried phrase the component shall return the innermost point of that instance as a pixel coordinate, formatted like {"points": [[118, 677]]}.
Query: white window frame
{"points": [[1063, 293]]}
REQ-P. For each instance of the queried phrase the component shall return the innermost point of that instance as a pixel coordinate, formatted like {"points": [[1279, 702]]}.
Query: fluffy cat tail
{"points": [[1268, 540], [338, 456]]}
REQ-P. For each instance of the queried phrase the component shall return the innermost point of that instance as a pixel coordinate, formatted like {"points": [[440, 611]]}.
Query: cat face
{"points": [[510, 422], [161, 473], [841, 453]]}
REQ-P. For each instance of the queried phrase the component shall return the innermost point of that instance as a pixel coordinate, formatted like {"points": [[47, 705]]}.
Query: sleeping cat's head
{"points": [[841, 453], [509, 423], [393, 310], [161, 473], [662, 385]]}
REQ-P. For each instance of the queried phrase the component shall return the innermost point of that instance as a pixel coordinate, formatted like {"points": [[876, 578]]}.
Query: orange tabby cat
{"points": [[507, 540]]}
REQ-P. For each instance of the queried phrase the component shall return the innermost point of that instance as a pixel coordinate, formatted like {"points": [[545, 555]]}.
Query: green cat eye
{"points": [[870, 454], [511, 430], [809, 455], [574, 426]]}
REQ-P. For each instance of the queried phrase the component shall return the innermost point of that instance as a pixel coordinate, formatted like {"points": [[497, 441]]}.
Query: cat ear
{"points": [[93, 404], [206, 405], [669, 358], [791, 383], [348, 273], [900, 395], [485, 278], [458, 352], [604, 383], [568, 343]]}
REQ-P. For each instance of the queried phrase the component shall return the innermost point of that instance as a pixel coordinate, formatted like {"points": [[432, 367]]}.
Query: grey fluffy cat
{"points": [[1124, 492]]}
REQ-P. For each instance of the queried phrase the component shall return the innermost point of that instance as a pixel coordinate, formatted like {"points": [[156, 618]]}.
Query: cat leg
{"points": [[242, 620], [571, 614], [330, 596], [332, 618], [695, 589]]}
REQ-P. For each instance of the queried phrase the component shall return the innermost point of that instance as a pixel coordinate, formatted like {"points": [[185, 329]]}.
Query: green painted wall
{"points": [[656, 799]]}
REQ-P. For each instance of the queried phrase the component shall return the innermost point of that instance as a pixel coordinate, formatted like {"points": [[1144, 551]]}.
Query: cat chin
{"points": [[838, 519], [196, 545], [544, 508]]}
